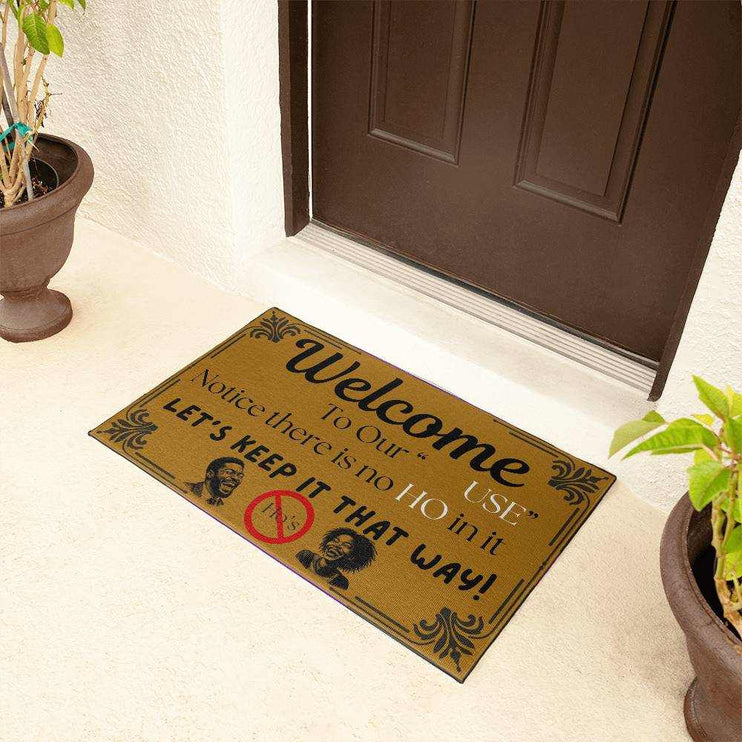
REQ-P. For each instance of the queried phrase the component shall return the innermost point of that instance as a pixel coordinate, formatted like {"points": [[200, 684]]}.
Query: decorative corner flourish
{"points": [[577, 482], [451, 635], [274, 328], [132, 431]]}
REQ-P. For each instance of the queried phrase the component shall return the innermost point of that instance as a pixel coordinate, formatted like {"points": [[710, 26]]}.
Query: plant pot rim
{"points": [[692, 611], [77, 149], [22, 216]]}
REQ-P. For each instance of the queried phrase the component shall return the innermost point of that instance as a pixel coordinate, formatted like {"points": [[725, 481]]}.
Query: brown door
{"points": [[561, 155]]}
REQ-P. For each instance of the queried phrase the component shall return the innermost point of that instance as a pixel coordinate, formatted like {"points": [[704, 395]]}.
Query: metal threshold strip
{"points": [[618, 366]]}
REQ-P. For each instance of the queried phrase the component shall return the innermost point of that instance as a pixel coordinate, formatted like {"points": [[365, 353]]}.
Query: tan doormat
{"points": [[424, 515]]}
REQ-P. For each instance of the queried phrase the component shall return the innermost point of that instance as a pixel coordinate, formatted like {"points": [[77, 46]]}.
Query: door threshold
{"points": [[633, 371]]}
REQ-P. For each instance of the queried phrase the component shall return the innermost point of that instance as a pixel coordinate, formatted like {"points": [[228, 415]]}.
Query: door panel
{"points": [[584, 119], [417, 94], [561, 155]]}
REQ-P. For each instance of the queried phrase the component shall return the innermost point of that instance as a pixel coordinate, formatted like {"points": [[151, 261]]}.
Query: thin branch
{"points": [[19, 143], [6, 17]]}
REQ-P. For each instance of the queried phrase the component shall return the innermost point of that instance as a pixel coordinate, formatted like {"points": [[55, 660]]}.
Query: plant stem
{"points": [[19, 150], [6, 16], [42, 65], [722, 525]]}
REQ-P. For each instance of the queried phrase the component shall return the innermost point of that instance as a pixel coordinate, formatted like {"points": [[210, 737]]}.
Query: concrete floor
{"points": [[128, 615]]}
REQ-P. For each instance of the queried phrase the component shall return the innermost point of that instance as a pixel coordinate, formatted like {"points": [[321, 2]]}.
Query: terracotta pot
{"points": [[35, 240], [713, 703]]}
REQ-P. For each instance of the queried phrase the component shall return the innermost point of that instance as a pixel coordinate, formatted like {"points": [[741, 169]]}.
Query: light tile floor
{"points": [[126, 614]]}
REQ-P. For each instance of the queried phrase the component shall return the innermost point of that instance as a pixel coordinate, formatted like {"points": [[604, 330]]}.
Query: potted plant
{"points": [[701, 552], [43, 178]]}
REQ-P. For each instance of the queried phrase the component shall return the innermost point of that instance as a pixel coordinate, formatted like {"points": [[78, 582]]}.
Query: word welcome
{"points": [[415, 424]]}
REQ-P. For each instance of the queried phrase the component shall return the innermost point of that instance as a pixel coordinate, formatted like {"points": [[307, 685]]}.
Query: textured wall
{"points": [[179, 111], [250, 48], [711, 347]]}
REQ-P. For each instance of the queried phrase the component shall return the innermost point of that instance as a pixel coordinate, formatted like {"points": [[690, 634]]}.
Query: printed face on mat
{"points": [[223, 476], [339, 547], [224, 480]]}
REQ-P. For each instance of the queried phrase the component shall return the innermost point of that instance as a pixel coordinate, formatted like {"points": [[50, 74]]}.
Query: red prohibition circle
{"points": [[280, 537]]}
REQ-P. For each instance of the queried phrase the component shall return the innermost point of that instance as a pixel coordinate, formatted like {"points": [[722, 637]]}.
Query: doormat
{"points": [[423, 514]]}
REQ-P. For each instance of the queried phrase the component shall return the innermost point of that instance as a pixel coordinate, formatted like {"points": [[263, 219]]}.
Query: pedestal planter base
{"points": [[692, 718], [35, 317], [36, 239], [713, 703]]}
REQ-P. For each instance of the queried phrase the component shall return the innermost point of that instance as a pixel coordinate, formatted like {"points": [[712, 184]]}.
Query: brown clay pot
{"points": [[35, 240], [713, 703]]}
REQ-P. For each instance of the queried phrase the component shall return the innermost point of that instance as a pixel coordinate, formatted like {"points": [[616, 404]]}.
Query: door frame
{"points": [[293, 55]]}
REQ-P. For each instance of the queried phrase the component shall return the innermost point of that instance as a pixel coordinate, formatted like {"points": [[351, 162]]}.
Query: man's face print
{"points": [[339, 547], [225, 479]]}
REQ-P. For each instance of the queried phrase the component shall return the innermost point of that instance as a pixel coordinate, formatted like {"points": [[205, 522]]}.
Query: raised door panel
{"points": [[594, 69], [418, 89]]}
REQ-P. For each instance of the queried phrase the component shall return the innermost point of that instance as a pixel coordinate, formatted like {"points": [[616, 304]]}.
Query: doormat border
{"points": [[476, 628]]}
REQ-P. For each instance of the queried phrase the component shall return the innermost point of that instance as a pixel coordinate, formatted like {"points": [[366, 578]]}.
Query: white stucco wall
{"points": [[711, 347], [250, 56], [180, 115], [179, 111]]}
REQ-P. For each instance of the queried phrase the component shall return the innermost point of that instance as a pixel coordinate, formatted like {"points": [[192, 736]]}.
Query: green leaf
{"points": [[56, 42], [35, 29], [687, 422], [706, 481], [735, 406], [705, 419], [737, 509], [705, 436], [670, 451], [733, 565], [735, 541], [712, 397], [68, 3], [733, 433], [702, 455], [635, 429], [82, 4], [681, 436]]}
